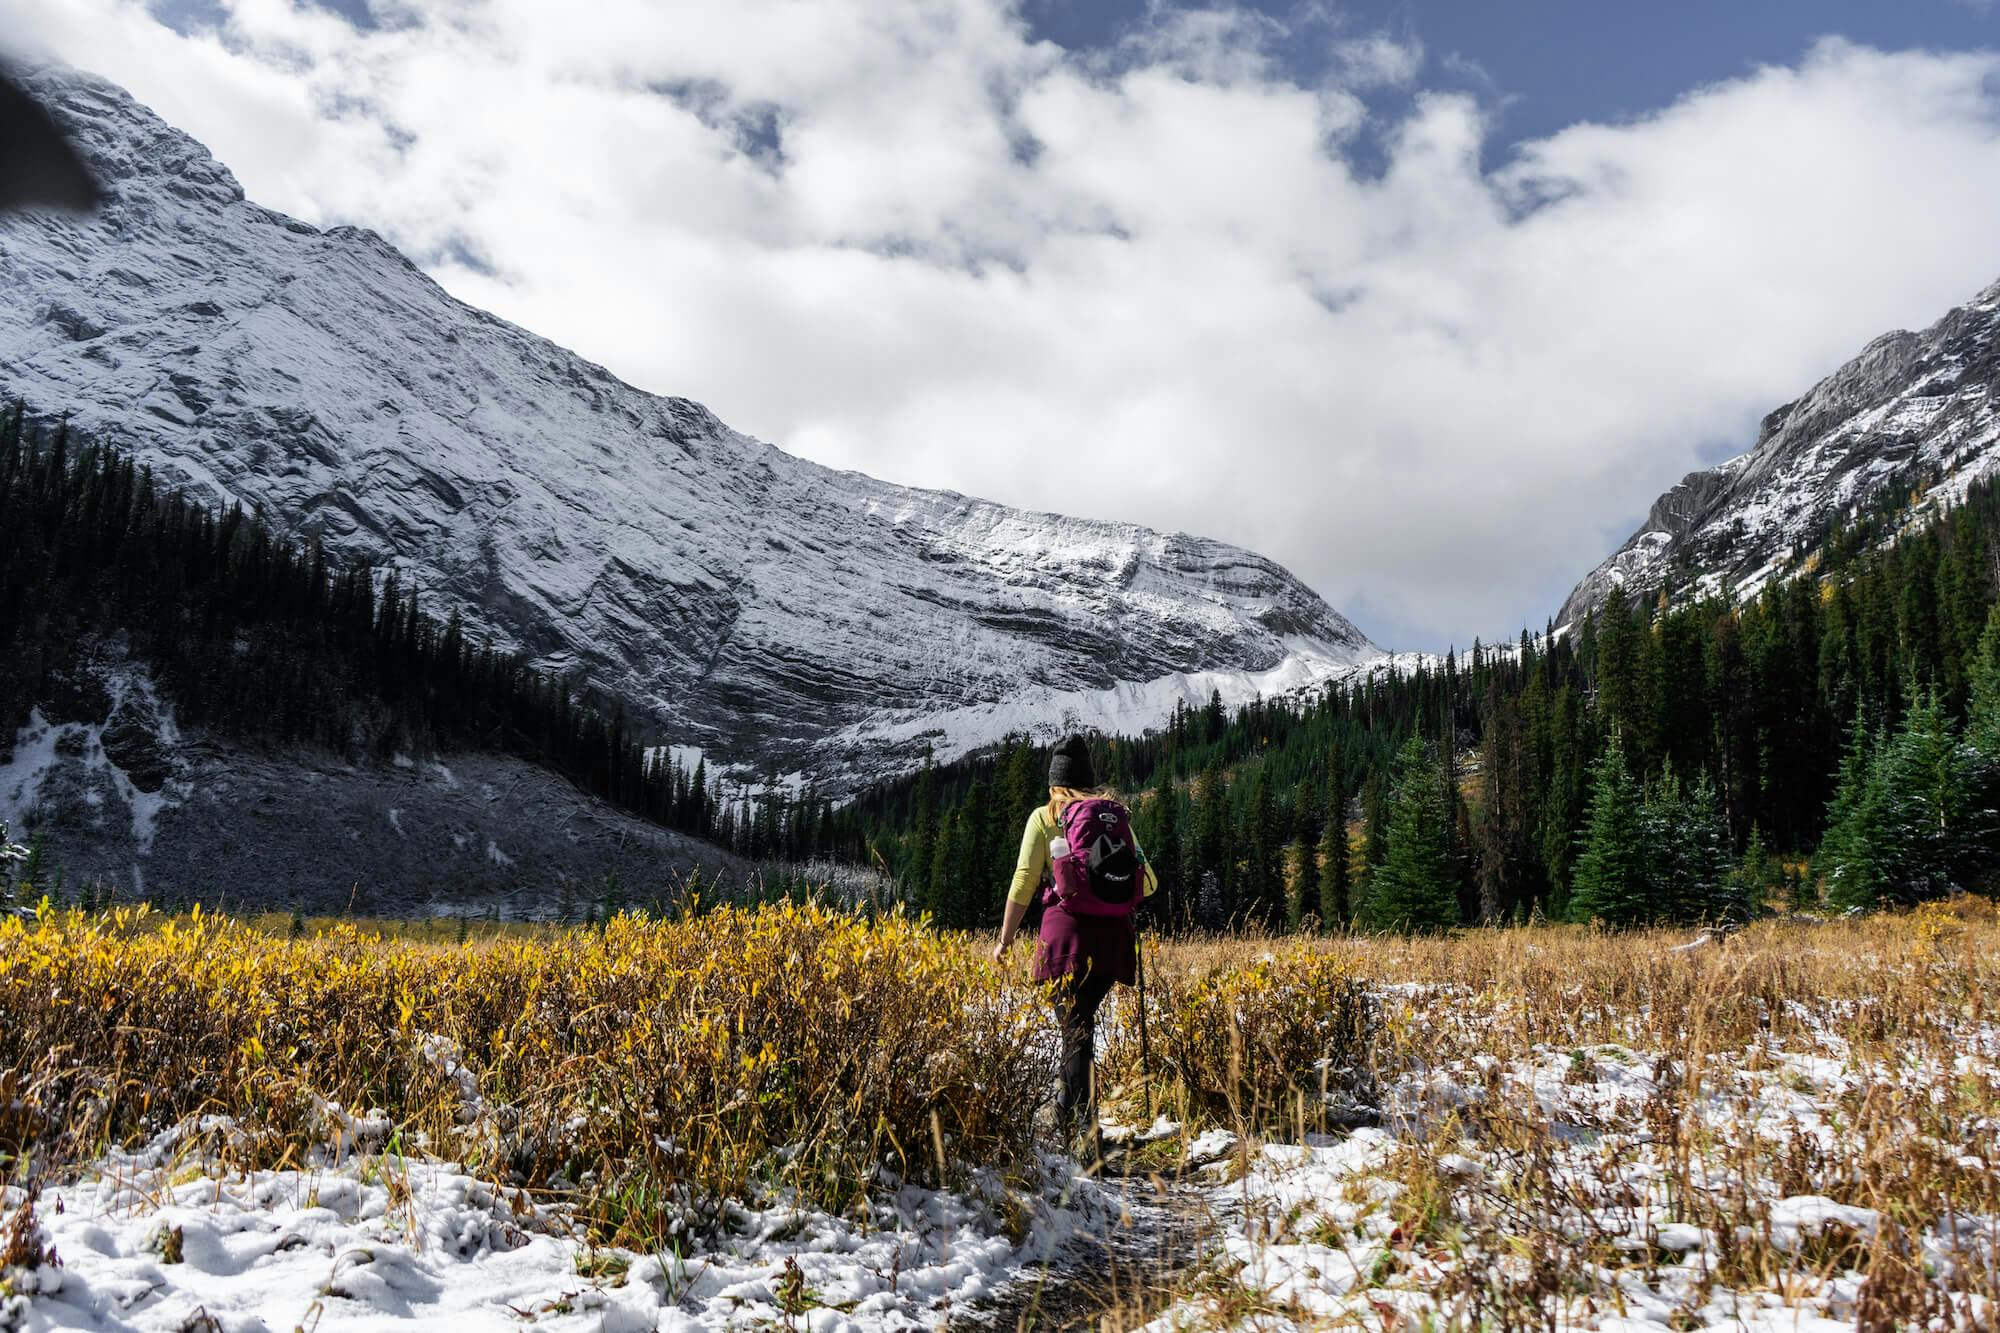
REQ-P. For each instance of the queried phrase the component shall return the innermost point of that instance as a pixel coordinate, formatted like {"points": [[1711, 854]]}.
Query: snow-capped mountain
{"points": [[1913, 410], [784, 617]]}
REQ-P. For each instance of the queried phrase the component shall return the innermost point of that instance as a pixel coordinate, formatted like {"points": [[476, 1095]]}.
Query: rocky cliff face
{"points": [[785, 617], [1913, 410]]}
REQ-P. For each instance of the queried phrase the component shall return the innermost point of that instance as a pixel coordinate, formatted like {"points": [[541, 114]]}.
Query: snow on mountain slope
{"points": [[783, 616], [1915, 410]]}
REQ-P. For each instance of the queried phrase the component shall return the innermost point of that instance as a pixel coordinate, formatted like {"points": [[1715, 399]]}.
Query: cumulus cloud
{"points": [[910, 238]]}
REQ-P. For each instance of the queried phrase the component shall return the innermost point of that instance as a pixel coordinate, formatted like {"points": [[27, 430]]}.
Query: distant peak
{"points": [[120, 137]]}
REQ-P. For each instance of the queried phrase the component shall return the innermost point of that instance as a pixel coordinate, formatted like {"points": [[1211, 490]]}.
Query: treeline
{"points": [[1663, 761], [261, 638]]}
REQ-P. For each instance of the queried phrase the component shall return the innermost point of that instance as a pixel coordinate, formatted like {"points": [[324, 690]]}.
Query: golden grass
{"points": [[1854, 1060], [1247, 1039], [649, 1071]]}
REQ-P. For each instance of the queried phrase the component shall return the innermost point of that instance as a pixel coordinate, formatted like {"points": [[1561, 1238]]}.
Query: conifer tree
{"points": [[1263, 896], [1336, 909], [1937, 828], [1685, 855], [1982, 727], [1848, 853], [1211, 845], [1908, 820], [1759, 877], [1611, 879], [1416, 887], [1304, 904], [918, 866], [1163, 853], [975, 896]]}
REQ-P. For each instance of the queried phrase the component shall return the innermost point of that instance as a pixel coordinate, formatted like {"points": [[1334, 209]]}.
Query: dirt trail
{"points": [[1165, 1228]]}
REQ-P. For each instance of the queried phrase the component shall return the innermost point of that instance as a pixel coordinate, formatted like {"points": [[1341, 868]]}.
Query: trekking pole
{"points": [[1145, 1052]]}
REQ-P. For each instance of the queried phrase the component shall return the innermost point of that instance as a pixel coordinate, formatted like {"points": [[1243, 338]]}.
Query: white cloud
{"points": [[908, 238], [1378, 60]]}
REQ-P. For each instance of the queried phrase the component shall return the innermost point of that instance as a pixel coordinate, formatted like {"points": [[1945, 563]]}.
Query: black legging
{"points": [[1077, 997]]}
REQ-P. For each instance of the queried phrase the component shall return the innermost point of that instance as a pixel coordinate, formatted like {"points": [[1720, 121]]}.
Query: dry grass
{"points": [[1250, 1038], [1604, 1087], [649, 1072]]}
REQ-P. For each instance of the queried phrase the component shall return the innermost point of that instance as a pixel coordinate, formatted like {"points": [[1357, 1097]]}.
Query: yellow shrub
{"points": [[1256, 1042], [652, 1068]]}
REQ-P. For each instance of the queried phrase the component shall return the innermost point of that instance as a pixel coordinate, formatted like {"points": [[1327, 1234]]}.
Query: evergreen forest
{"points": [[1832, 743]]}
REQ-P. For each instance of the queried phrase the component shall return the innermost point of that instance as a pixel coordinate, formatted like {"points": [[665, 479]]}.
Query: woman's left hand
{"points": [[1000, 949]]}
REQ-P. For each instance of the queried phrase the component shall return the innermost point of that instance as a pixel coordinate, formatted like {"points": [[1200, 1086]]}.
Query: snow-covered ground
{"points": [[377, 1241], [1593, 1187], [1323, 1233]]}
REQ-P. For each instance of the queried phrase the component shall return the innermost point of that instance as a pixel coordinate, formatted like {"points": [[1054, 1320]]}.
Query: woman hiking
{"points": [[1088, 941]]}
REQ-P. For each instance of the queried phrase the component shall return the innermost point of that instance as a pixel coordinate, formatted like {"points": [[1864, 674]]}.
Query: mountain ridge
{"points": [[1914, 408], [784, 616]]}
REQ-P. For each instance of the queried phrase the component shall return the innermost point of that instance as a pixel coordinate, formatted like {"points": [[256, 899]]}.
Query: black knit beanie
{"points": [[1069, 765]]}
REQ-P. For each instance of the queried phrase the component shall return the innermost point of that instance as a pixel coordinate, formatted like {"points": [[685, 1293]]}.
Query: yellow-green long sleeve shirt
{"points": [[1034, 859]]}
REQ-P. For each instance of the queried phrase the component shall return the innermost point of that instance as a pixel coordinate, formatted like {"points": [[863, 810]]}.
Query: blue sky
{"points": [[1547, 63], [1426, 301], [1555, 62]]}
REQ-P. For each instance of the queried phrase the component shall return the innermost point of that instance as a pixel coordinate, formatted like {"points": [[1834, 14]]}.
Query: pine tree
{"points": [[1611, 879], [1304, 902], [1163, 852], [1848, 854], [1211, 846], [1263, 898], [1416, 887], [1759, 877], [1685, 854], [1336, 909]]}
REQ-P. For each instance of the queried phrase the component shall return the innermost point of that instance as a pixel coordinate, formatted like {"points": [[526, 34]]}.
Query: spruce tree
{"points": [[1936, 823], [1758, 877], [921, 851], [976, 896], [1610, 877], [1336, 908], [1303, 903], [1848, 854], [1163, 853], [1686, 850], [1211, 846], [1416, 887], [1982, 727], [1263, 896]]}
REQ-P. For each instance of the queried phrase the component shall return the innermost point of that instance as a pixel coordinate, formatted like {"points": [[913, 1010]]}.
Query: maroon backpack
{"points": [[1095, 859]]}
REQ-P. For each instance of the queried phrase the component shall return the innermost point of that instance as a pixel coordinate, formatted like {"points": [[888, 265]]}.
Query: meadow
{"points": [[1537, 1127]]}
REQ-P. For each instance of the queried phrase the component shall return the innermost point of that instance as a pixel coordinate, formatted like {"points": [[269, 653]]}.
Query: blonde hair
{"points": [[1061, 797]]}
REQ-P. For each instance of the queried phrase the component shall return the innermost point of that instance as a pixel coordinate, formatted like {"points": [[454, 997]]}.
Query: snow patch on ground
{"points": [[1312, 1228], [378, 1241]]}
